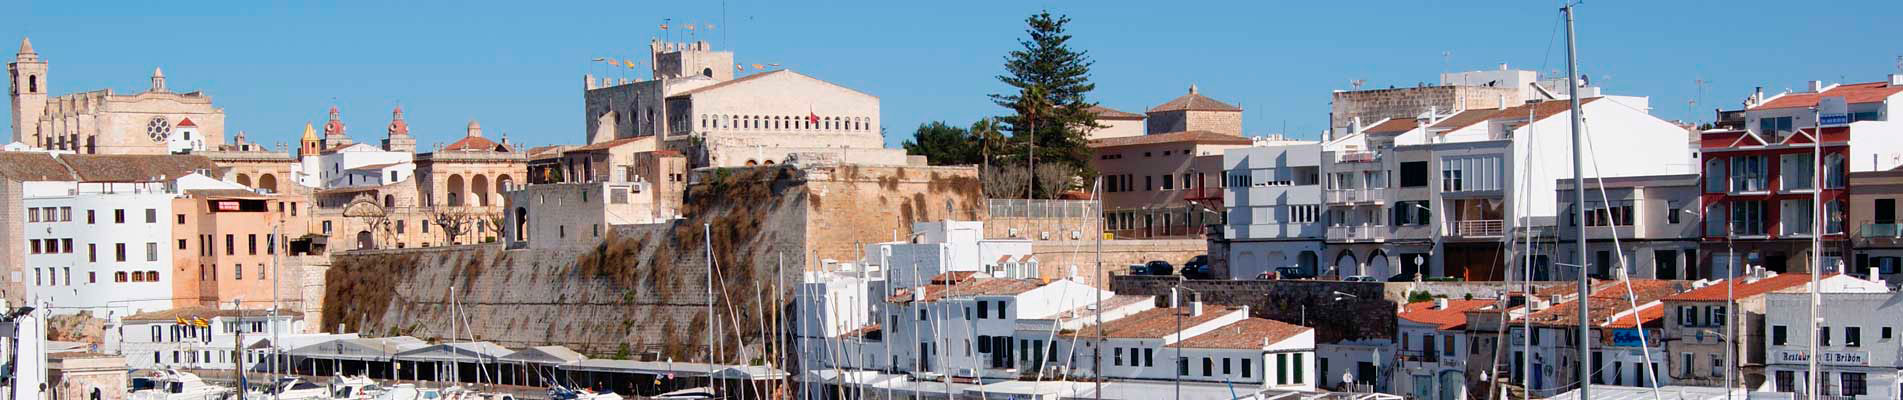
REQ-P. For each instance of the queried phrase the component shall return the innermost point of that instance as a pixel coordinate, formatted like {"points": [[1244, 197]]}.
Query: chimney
{"points": [[1816, 86], [1503, 66], [1440, 303], [1357, 126], [1757, 95], [918, 294], [1196, 308], [1175, 298], [1896, 79]]}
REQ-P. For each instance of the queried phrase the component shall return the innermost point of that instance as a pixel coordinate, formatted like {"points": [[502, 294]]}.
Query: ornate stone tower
{"points": [[29, 92], [399, 139], [334, 131], [158, 80]]}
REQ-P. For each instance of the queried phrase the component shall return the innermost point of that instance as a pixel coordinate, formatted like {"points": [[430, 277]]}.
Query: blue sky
{"points": [[516, 66]]}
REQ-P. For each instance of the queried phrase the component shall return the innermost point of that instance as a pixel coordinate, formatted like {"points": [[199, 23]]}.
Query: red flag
{"points": [[811, 117]]}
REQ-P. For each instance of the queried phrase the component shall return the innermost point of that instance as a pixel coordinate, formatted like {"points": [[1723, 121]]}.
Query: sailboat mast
{"points": [[707, 232], [1584, 296]]}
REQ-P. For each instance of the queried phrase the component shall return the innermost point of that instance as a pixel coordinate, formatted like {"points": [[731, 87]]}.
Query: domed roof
{"points": [[398, 126]]}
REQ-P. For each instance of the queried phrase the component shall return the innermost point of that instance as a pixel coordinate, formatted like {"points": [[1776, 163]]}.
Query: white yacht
{"points": [[409, 391], [290, 388], [176, 385], [354, 388]]}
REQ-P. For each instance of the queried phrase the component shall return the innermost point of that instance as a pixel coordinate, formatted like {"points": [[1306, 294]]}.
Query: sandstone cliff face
{"points": [[641, 290]]}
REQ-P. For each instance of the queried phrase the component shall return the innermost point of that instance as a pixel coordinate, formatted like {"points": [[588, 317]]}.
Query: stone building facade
{"points": [[1374, 105], [101, 121], [696, 106]]}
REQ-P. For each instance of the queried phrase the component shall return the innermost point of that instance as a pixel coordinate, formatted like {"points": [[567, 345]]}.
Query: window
{"points": [[1169, 182], [1823, 336], [231, 244], [327, 227], [181, 219], [1795, 172], [119, 252], [261, 274], [1209, 367], [119, 216], [1747, 174], [151, 216], [1885, 333], [152, 251], [1470, 173], [1147, 182], [1304, 214], [1448, 349], [1774, 127], [1619, 214], [89, 216], [1247, 367], [181, 244], [36, 245], [1747, 217], [1149, 357], [1778, 336], [33, 215], [1118, 359], [1414, 174], [1853, 384], [1686, 361], [1717, 316], [1853, 336], [251, 242], [1281, 369], [1298, 369], [1225, 367], [92, 252], [1672, 212], [237, 271]]}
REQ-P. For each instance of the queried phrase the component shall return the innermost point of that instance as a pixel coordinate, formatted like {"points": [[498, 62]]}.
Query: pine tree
{"points": [[1049, 111]]}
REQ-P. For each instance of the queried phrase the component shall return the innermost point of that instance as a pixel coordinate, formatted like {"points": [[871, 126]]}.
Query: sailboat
{"points": [[173, 384]]}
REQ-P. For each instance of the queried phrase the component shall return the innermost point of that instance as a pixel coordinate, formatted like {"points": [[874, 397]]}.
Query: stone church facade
{"points": [[102, 121]]}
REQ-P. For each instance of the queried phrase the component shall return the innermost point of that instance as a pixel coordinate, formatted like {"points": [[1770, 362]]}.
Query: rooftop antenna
{"points": [[1446, 61], [1358, 82]]}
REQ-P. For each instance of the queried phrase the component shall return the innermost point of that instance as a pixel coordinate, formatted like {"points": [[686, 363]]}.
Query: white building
{"points": [[1274, 201], [173, 339], [359, 164], [1858, 348], [950, 246], [104, 247], [1483, 174], [1435, 345], [1195, 343]]}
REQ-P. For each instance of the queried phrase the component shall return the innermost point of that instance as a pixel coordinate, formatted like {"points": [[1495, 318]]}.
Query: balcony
{"points": [[1358, 233], [1880, 231], [1358, 156], [1203, 194], [1425, 357], [1478, 228], [1356, 196]]}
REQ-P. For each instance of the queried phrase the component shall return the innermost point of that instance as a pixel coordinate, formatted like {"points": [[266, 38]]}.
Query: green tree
{"points": [[943, 144], [1049, 111]]}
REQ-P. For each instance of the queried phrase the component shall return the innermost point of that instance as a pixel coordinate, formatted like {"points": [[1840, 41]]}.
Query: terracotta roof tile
{"points": [[1742, 290], [1245, 334], [1448, 318], [1154, 323], [476, 143], [1605, 301], [1396, 125], [1195, 102], [965, 288], [1852, 93], [134, 168], [1200, 137], [1650, 315], [1110, 113], [32, 166]]}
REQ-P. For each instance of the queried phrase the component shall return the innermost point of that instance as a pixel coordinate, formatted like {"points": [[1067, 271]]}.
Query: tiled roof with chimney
{"points": [[1198, 137], [1251, 333], [1451, 317], [1742, 290], [1155, 323], [1853, 93]]}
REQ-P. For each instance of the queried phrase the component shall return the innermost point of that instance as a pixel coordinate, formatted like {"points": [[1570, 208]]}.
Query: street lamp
{"points": [[1434, 232]]}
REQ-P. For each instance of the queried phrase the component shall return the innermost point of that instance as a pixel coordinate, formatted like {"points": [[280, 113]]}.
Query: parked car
{"points": [[1160, 268], [1139, 269], [1292, 273], [1198, 268], [1359, 278]]}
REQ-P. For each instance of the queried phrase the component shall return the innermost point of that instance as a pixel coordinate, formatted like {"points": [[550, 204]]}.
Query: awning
{"points": [[455, 352], [544, 355]]}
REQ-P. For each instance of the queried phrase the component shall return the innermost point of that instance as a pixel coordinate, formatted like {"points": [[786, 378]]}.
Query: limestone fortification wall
{"points": [[641, 289]]}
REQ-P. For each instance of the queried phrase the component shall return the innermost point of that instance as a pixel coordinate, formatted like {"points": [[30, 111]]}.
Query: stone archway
{"points": [[365, 240], [479, 190], [504, 183], [244, 180], [1345, 264], [268, 182], [521, 224], [1378, 265], [454, 190]]}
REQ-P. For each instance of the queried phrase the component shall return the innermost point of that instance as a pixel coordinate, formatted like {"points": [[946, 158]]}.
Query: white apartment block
{"points": [[104, 247], [1273, 198], [1858, 348]]}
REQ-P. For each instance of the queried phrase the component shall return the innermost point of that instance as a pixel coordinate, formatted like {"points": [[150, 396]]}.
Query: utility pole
{"points": [[1584, 357], [1097, 355], [1816, 245]]}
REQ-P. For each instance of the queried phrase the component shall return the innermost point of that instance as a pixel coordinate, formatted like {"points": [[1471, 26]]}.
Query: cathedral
{"points": [[156, 121]]}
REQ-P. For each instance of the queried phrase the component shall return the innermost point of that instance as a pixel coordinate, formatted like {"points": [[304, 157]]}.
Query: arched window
{"points": [[521, 224], [389, 201], [707, 72], [32, 83]]}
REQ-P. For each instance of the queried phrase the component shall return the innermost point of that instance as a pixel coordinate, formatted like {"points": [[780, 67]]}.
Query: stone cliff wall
{"points": [[641, 289]]}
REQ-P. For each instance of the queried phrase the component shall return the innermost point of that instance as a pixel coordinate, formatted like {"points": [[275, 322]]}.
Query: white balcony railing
{"points": [[1478, 228], [1358, 233], [1355, 196]]}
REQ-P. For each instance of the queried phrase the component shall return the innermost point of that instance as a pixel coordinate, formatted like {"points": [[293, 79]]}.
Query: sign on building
{"points": [[1832, 111]]}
